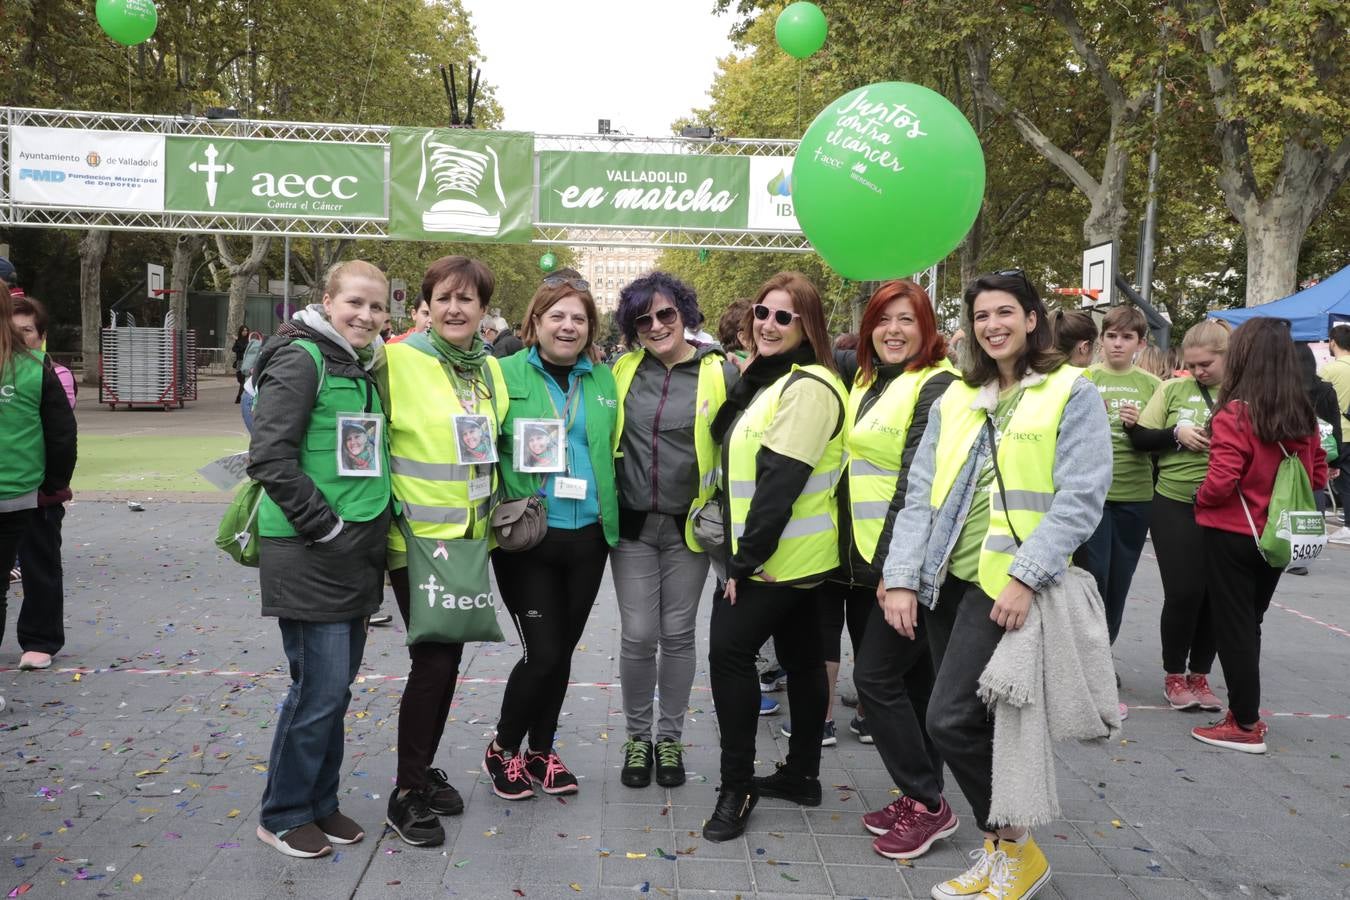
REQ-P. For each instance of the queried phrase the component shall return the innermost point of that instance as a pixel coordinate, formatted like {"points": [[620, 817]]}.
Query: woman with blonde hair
{"points": [[1175, 424]]}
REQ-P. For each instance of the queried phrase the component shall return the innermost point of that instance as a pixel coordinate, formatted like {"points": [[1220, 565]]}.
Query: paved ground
{"points": [[134, 767]]}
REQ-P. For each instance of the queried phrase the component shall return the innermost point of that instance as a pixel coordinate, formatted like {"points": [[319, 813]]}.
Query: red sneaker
{"points": [[1198, 685], [916, 829], [1178, 694], [1227, 733], [883, 820]]}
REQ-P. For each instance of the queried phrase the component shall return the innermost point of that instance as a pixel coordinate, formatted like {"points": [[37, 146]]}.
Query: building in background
{"points": [[608, 269]]}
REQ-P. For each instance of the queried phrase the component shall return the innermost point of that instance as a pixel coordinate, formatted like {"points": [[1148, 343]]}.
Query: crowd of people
{"points": [[928, 495]]}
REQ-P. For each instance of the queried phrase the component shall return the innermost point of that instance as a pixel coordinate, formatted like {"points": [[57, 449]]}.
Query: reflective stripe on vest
{"points": [[875, 442], [711, 393], [432, 487], [809, 545], [1026, 459]]}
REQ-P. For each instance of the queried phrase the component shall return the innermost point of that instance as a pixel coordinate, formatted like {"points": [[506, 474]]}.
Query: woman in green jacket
{"points": [[556, 443]]}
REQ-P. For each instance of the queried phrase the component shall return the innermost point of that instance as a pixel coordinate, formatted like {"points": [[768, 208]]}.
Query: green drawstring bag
{"points": [[1295, 531], [238, 531], [450, 598]]}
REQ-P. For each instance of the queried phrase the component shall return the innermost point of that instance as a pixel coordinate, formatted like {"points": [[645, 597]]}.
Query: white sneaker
{"points": [[973, 881]]}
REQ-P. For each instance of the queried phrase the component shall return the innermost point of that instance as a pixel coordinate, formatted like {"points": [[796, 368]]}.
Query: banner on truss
{"points": [[424, 184]]}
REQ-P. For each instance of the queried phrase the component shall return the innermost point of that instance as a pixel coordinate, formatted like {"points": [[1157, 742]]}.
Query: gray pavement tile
{"points": [[824, 821], [1133, 861], [373, 889], [850, 849], [714, 875], [1161, 888], [869, 881], [782, 846], [794, 878], [619, 871], [641, 816], [1080, 887]]}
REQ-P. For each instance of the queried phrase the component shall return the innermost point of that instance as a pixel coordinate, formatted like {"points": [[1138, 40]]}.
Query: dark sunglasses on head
{"points": [[666, 316], [781, 316], [576, 284], [1016, 273]]}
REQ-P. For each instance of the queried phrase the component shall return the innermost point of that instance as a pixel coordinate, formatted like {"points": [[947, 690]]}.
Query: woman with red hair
{"points": [[902, 371]]}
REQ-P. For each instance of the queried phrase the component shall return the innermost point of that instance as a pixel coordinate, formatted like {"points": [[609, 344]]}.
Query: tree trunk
{"points": [[1272, 257], [184, 249], [240, 273], [93, 248]]}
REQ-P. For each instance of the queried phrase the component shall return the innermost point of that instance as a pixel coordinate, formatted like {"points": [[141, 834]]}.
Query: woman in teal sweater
{"points": [[549, 590]]}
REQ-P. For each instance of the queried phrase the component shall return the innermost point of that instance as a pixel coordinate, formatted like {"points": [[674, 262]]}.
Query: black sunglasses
{"points": [[666, 316], [576, 284], [1017, 273], [781, 316]]}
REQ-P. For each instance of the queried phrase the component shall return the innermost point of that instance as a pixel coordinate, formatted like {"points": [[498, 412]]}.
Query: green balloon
{"points": [[548, 262], [887, 181], [801, 29], [127, 21]]}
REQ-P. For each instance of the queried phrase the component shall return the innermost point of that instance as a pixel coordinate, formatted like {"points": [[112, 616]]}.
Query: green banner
{"points": [[643, 190], [451, 184], [274, 178]]}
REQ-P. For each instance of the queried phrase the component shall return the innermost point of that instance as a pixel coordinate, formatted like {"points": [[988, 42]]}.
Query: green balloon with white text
{"points": [[887, 181], [128, 22]]}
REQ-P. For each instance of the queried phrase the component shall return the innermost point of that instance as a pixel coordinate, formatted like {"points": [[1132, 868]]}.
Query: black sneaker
{"points": [[787, 785], [858, 725], [548, 771], [729, 818], [772, 680], [669, 763], [637, 763], [381, 618], [413, 821], [442, 798], [507, 771]]}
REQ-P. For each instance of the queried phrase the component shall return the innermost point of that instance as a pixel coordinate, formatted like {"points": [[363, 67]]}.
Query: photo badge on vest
{"points": [[359, 441], [474, 442], [540, 445]]}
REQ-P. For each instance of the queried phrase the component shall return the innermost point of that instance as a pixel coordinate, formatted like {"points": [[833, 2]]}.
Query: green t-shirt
{"points": [[965, 561], [1179, 402], [1131, 470]]}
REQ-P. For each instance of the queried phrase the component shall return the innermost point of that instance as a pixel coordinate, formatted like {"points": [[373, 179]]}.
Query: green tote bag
{"points": [[450, 596], [237, 534]]}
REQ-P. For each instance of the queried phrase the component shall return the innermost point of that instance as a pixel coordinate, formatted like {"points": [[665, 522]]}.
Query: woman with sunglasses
{"points": [[901, 371], [1175, 424], [1008, 481], [781, 436], [549, 589], [433, 375], [669, 390]]}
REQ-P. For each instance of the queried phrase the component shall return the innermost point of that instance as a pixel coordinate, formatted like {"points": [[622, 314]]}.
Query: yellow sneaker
{"points": [[1019, 870], [973, 881]]}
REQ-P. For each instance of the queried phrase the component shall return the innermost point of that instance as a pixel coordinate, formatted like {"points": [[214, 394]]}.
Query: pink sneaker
{"points": [[1198, 685], [1124, 711], [916, 829], [883, 820], [1227, 733], [1178, 694]]}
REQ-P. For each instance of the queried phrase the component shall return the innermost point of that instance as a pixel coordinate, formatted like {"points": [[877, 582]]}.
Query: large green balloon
{"points": [[887, 181], [801, 29], [127, 21]]}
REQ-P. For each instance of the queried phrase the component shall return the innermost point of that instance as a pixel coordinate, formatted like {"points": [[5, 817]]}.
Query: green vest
{"points": [[874, 444], [529, 400], [24, 462], [809, 545], [711, 394], [352, 499], [1026, 459], [432, 488]]}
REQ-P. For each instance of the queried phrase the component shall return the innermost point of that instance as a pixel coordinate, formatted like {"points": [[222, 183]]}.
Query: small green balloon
{"points": [[548, 262], [887, 181], [801, 29], [128, 22]]}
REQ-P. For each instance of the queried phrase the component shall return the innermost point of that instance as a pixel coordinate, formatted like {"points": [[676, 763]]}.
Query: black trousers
{"points": [[853, 608], [13, 526], [963, 638], [791, 616], [1187, 622], [894, 677], [425, 705], [1242, 585], [549, 592], [41, 628]]}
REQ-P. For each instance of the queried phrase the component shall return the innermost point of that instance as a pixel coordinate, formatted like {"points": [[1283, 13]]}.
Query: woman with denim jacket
{"points": [[975, 542]]}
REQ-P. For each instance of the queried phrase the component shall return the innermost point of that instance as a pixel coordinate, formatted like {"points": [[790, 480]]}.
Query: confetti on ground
{"points": [[137, 878], [1115, 823], [21, 890], [576, 887], [789, 877]]}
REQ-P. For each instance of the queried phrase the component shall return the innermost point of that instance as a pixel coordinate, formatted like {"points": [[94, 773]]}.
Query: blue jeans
{"points": [[304, 767], [1112, 554]]}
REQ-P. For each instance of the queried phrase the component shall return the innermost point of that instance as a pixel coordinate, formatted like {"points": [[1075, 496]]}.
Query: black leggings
{"points": [[549, 592], [1187, 624], [853, 609], [1244, 584], [425, 706]]}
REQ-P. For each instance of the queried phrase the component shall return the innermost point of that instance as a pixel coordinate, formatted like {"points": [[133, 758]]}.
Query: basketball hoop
{"points": [[163, 293], [1094, 293]]}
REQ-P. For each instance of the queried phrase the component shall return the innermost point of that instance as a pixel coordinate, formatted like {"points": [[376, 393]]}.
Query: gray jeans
{"points": [[658, 581]]}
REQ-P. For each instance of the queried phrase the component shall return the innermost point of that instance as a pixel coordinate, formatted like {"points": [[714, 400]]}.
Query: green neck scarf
{"points": [[469, 361]]}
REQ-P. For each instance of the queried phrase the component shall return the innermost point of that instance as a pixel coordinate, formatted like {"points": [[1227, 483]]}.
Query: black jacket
{"points": [[58, 434]]}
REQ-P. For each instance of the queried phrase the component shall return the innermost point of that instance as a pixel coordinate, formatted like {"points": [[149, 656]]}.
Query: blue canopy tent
{"points": [[1311, 312]]}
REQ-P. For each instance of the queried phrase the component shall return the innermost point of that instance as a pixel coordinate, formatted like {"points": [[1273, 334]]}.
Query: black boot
{"points": [[733, 811], [787, 785]]}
